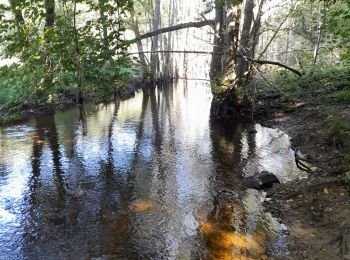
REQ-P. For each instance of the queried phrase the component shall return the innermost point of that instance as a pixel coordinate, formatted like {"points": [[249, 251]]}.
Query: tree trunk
{"points": [[50, 13], [244, 48], [135, 27], [168, 60], [233, 20], [319, 34], [225, 101], [16, 10], [254, 39], [155, 42], [216, 66], [49, 23]]}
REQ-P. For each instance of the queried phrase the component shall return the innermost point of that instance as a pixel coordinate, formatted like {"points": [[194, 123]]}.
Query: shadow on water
{"points": [[149, 177]]}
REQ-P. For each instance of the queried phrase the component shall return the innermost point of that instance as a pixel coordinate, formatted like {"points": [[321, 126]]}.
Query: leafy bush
{"points": [[68, 58]]}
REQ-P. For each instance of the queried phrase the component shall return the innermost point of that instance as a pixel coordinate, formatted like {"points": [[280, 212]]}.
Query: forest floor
{"points": [[317, 209]]}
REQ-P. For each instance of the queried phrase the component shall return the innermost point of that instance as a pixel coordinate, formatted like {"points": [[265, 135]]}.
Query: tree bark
{"points": [[319, 34], [135, 27], [168, 71], [233, 21], [216, 66], [254, 39], [244, 48], [50, 13], [155, 42]]}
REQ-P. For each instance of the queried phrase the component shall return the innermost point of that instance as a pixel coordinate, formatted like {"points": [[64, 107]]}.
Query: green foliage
{"points": [[347, 177], [347, 174], [337, 23], [319, 84], [347, 159], [82, 53], [336, 127]]}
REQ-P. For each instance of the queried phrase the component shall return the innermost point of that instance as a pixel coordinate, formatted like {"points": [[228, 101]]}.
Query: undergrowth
{"points": [[323, 84], [23, 85]]}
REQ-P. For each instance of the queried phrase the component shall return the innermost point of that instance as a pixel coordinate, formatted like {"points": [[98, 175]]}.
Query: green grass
{"points": [[336, 127]]}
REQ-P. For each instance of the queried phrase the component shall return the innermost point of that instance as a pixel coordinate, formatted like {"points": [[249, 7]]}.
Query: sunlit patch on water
{"points": [[141, 206], [271, 152], [6, 216], [222, 244], [39, 142], [239, 229], [139, 179]]}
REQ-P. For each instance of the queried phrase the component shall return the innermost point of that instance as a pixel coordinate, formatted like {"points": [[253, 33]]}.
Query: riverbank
{"points": [[317, 209], [60, 102]]}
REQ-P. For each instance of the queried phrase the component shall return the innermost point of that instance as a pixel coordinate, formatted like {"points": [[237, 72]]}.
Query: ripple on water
{"points": [[139, 178]]}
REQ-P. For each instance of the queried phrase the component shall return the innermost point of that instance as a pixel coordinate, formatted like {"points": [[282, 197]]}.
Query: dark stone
{"points": [[261, 182], [253, 131]]}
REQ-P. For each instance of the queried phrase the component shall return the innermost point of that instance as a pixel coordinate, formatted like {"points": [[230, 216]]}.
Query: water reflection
{"points": [[149, 177]]}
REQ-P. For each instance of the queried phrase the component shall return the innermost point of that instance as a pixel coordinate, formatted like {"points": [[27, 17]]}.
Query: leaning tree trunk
{"points": [[142, 57]]}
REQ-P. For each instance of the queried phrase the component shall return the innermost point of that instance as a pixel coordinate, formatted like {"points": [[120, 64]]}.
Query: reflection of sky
{"points": [[272, 153], [172, 170], [14, 174]]}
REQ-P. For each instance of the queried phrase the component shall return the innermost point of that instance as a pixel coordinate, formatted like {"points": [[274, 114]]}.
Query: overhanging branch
{"points": [[176, 28], [271, 63], [187, 52]]}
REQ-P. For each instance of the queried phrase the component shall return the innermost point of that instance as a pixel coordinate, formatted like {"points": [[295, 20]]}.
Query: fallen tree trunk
{"points": [[175, 28], [188, 52]]}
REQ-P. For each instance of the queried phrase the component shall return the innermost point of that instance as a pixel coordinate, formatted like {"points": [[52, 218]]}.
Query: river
{"points": [[151, 177]]}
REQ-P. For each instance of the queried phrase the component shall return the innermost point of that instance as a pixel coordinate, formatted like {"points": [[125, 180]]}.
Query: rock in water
{"points": [[263, 181]]}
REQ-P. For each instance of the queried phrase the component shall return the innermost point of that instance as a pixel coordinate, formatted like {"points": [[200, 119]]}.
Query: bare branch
{"points": [[272, 63]]}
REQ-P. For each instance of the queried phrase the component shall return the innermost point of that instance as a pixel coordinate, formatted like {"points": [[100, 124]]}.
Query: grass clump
{"points": [[336, 127]]}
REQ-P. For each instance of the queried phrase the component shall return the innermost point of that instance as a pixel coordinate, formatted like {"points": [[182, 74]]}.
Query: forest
{"points": [[148, 111]]}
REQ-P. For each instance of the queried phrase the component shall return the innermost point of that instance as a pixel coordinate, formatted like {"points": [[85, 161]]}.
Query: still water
{"points": [[141, 178]]}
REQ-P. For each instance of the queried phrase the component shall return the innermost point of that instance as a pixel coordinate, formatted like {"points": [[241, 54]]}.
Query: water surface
{"points": [[141, 178]]}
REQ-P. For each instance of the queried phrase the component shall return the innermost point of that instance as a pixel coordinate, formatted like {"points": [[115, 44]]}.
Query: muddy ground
{"points": [[316, 210]]}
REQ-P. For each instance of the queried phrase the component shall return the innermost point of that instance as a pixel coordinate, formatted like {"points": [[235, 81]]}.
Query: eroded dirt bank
{"points": [[317, 209]]}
